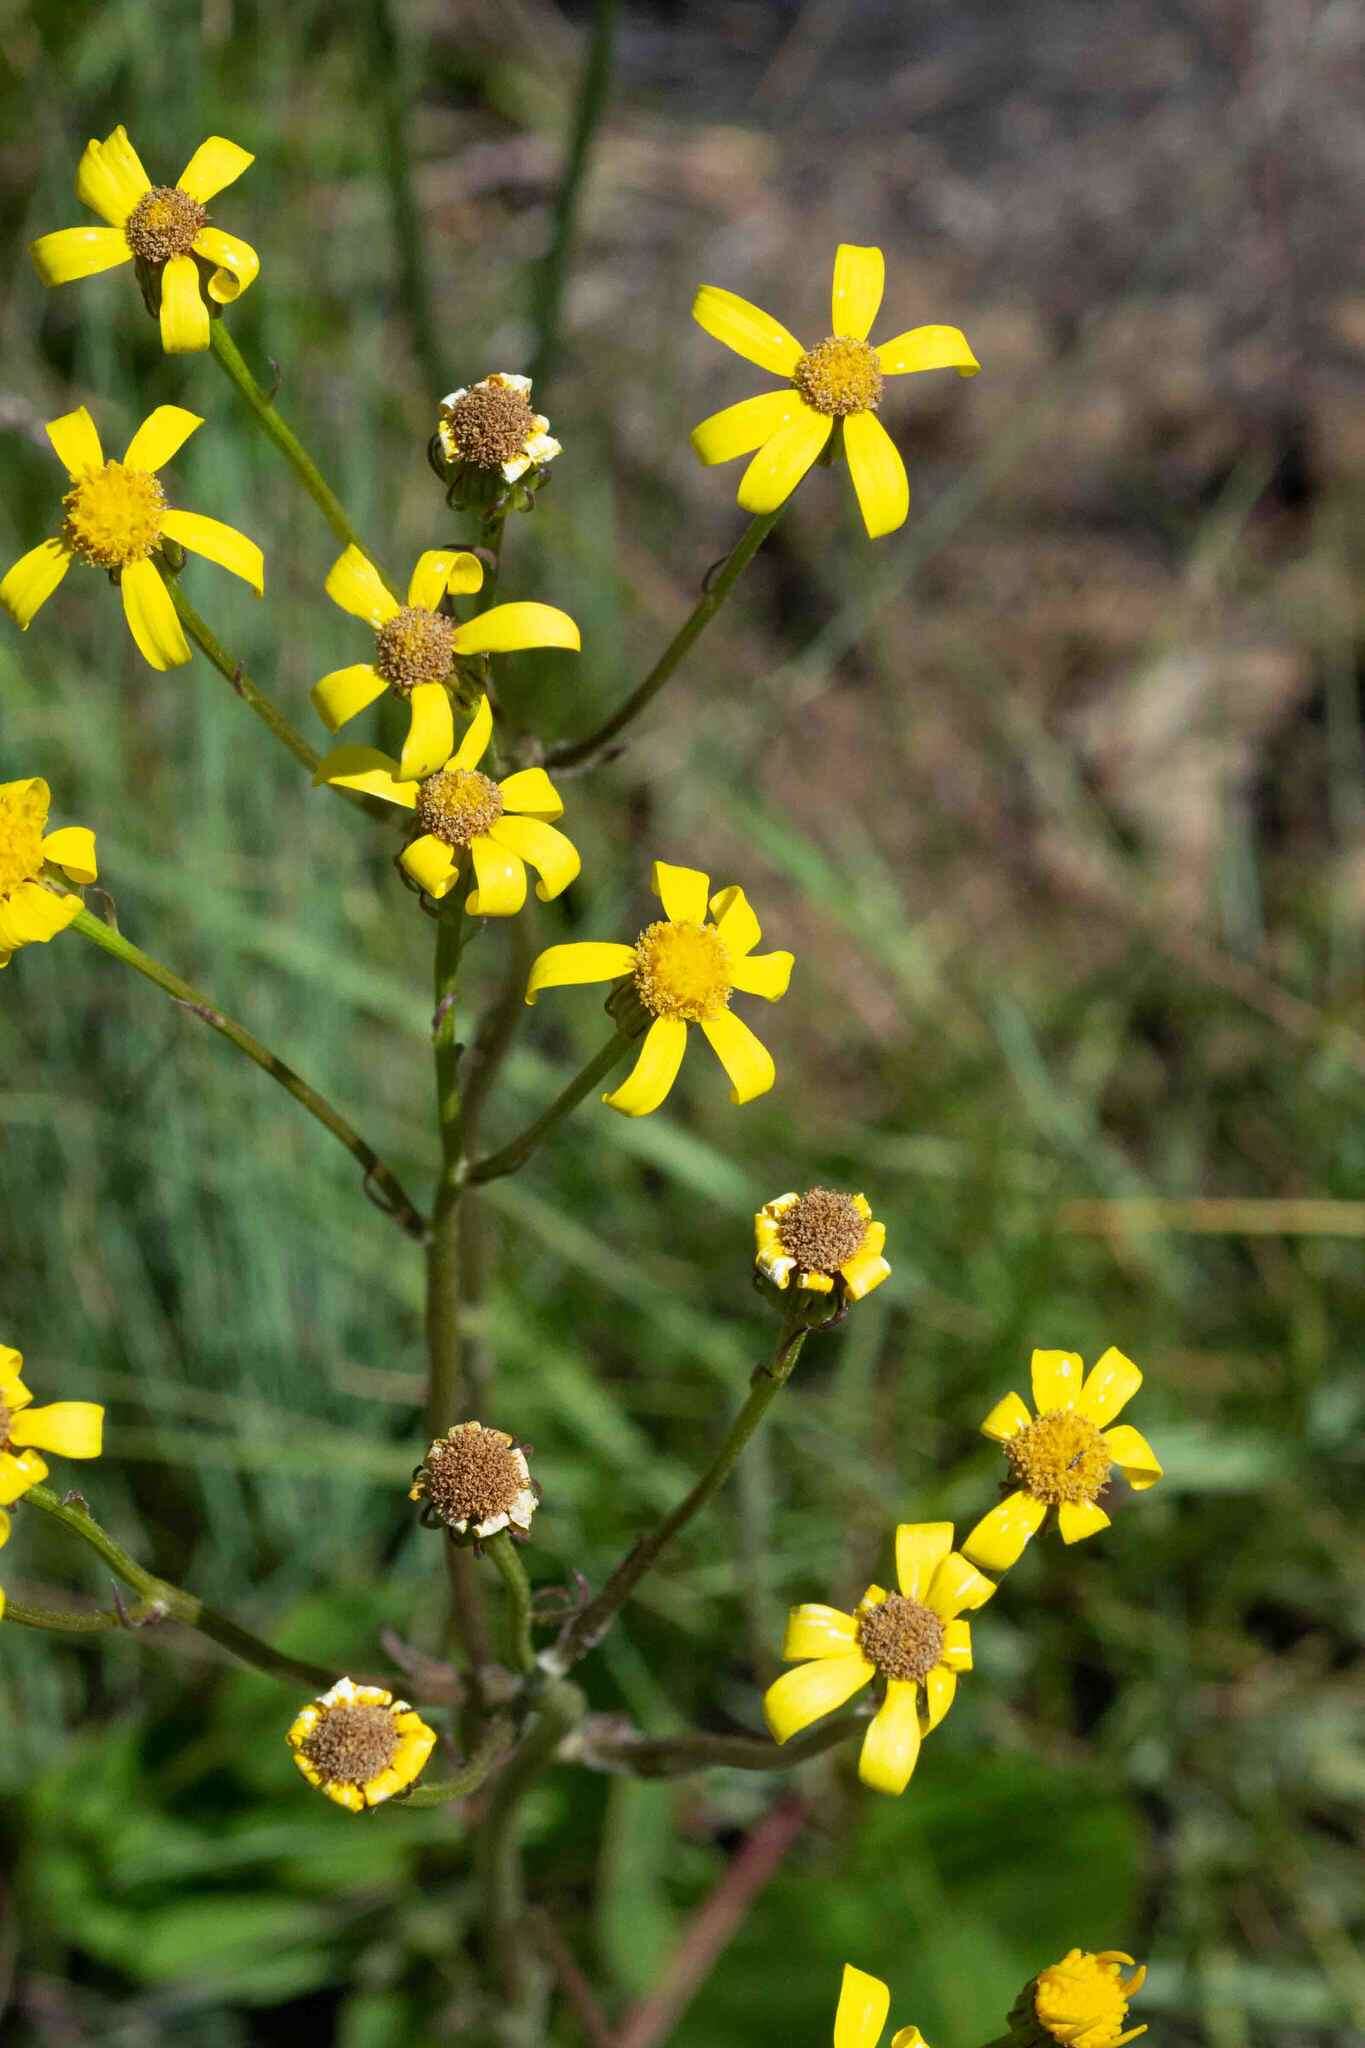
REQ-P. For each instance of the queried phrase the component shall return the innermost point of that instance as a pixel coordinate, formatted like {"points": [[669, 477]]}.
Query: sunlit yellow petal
{"points": [[747, 329], [739, 429], [356, 585], [554, 858], [72, 849], [1109, 1387], [509, 626], [162, 435], [219, 543], [745, 1058], [531, 794], [1134, 1456], [864, 1271], [18, 1471], [432, 865], [1077, 1519], [940, 1690], [682, 892], [466, 574], [74, 1429], [859, 280], [863, 2005], [427, 583], [814, 1630], [500, 878], [338, 696], [478, 733], [216, 164], [927, 348], [1006, 1419], [184, 316], [151, 617], [69, 253], [32, 580], [238, 264], [1056, 1379], [431, 732], [781, 463], [879, 480], [32, 915], [735, 921], [110, 179], [803, 1694], [920, 1549], [956, 1585], [957, 1645], [999, 1538], [891, 1745], [655, 1069], [763, 974], [367, 769], [569, 966], [77, 442], [908, 2037]]}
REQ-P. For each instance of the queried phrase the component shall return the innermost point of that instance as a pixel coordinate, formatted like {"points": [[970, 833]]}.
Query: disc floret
{"points": [[414, 646], [456, 804], [164, 223], [489, 434], [359, 1745], [824, 1242], [1059, 1457], [902, 1637], [840, 376], [113, 516], [1081, 2001], [683, 970], [475, 1481]]}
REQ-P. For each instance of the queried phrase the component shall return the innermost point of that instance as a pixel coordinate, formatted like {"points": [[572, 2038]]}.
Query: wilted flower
{"points": [[488, 436], [821, 1241], [475, 1481], [360, 1745]]}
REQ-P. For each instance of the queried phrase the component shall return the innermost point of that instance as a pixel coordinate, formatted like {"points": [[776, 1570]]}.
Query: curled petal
{"points": [[655, 1070], [1077, 1519], [739, 429], [32, 580], [238, 264], [216, 164], [151, 617], [920, 1549], [466, 574], [478, 733], [72, 849], [218, 542], [781, 463], [747, 329], [1134, 1456], [69, 253], [500, 877], [1109, 1387], [184, 316], [940, 1690], [745, 1058], [431, 732], [74, 1429], [427, 583], [18, 1471], [763, 974], [554, 858], [338, 696], [927, 348], [999, 1538], [356, 585], [891, 1745], [859, 280], [162, 435], [908, 2037], [365, 768], [531, 794], [572, 965], [510, 626], [957, 1645], [864, 1271], [735, 921], [879, 480], [1006, 1419], [809, 1691], [863, 2005], [682, 892], [77, 442], [1056, 1379], [432, 865], [110, 179], [814, 1630], [955, 1585]]}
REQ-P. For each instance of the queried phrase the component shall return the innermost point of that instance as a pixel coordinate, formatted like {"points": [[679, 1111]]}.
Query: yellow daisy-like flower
{"points": [[840, 379], [73, 1429], [685, 971], [1061, 1458], [33, 905], [417, 647], [821, 1240], [490, 426], [1081, 2001], [502, 826], [117, 519], [164, 228], [913, 1639], [360, 1745], [864, 2002]]}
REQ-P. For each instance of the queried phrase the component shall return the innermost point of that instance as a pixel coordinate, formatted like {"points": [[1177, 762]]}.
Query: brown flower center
{"points": [[352, 1745], [163, 224], [902, 1637], [471, 1475], [457, 804], [490, 424], [6, 1417], [1060, 1457], [840, 377], [822, 1231], [414, 646], [23, 814]]}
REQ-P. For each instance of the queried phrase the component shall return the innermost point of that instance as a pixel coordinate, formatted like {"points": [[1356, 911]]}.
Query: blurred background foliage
{"points": [[1056, 796]]}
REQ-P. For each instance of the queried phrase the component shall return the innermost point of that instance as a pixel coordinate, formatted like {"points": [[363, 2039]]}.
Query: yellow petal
{"points": [[747, 329], [805, 1693], [531, 793], [957, 1584], [110, 179], [735, 921], [863, 2005], [1056, 1379], [763, 974], [151, 617], [76, 440], [1110, 1386], [427, 583], [1006, 1419], [509, 626], [859, 280], [500, 879], [572, 965], [74, 1429], [891, 1745], [957, 1645], [999, 1538], [682, 892], [356, 585], [31, 915], [655, 1069], [69, 253], [432, 865], [1134, 1456], [219, 543], [908, 2037], [72, 849], [338, 696], [879, 480], [864, 1271], [739, 429], [365, 768], [927, 348], [12, 1390], [32, 580], [920, 1549], [940, 1690], [466, 574], [478, 733], [814, 1630], [1077, 1519], [162, 434], [781, 463], [184, 316], [216, 164], [18, 1471], [238, 264], [431, 732], [745, 1058], [554, 858]]}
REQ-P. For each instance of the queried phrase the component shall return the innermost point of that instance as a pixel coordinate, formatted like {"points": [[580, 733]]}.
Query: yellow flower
{"points": [[841, 378], [685, 971], [164, 228], [490, 425], [459, 812], [864, 2002], [116, 519], [1081, 2001], [74, 1429], [821, 1240], [417, 646], [33, 905], [912, 1639], [1062, 1459], [360, 1745]]}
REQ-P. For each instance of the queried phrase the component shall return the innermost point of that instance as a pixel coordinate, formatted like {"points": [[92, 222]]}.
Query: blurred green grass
{"points": [[1001, 1007]]}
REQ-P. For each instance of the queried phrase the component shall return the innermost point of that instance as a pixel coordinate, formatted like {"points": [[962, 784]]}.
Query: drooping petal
{"points": [[69, 253], [77, 442], [531, 794], [863, 2005], [747, 329], [432, 864], [655, 1070], [238, 264], [72, 849], [31, 915], [74, 1429], [162, 435], [479, 732], [356, 585], [999, 1538], [32, 580], [1134, 1456], [920, 1549], [509, 626], [808, 1691], [1006, 1419], [365, 768], [554, 858], [500, 879], [427, 583], [957, 1645], [219, 543], [814, 1630], [781, 463], [891, 1745], [151, 617], [682, 892], [859, 280], [879, 481], [18, 1471], [584, 961], [1077, 1519], [1110, 1386], [739, 429], [763, 974], [957, 1584], [184, 316], [735, 921], [431, 732], [1056, 1377], [110, 179], [338, 696], [864, 1271], [216, 164], [745, 1058], [940, 1690], [927, 348]]}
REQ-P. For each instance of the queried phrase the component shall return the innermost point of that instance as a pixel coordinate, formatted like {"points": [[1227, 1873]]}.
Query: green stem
{"points": [[168, 1602], [482, 1762], [503, 1551], [717, 588], [588, 112], [389, 82], [672, 1756], [255, 699], [498, 1849], [94, 1621], [380, 1183], [588, 1627], [512, 1156]]}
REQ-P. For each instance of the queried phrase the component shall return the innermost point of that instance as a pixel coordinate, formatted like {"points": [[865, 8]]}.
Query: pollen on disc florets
{"points": [[490, 424], [840, 376], [683, 970], [474, 1478], [1060, 1457], [822, 1231], [902, 1637], [23, 814], [414, 646], [351, 1745], [113, 516], [164, 223], [456, 804]]}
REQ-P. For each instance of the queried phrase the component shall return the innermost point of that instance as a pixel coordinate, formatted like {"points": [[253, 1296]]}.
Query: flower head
{"points": [[488, 437], [165, 229], [476, 1481], [73, 1429], [913, 1639], [684, 969], [33, 861], [1081, 2001], [864, 2002], [117, 518], [462, 814], [1061, 1458], [360, 1745], [821, 1241], [841, 379], [417, 647]]}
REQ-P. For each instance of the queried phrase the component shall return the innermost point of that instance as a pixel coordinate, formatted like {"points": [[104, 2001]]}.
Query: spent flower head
{"points": [[823, 1242], [1081, 2001], [360, 1745], [71, 1429], [34, 863], [487, 438], [474, 1482]]}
